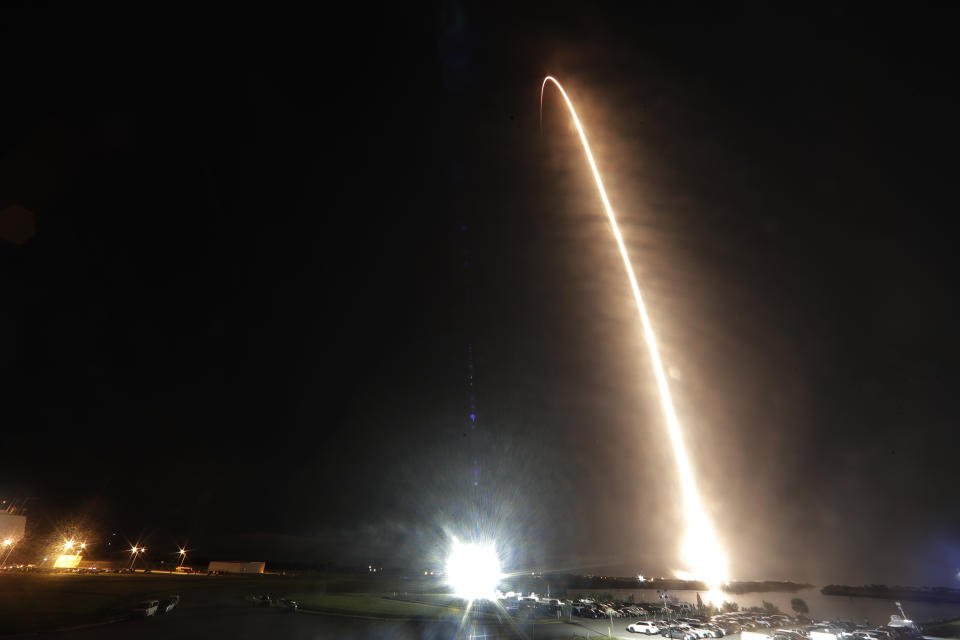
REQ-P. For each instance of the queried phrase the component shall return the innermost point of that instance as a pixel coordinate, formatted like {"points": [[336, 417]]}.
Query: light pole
{"points": [[183, 556], [135, 551], [8, 546], [664, 596]]}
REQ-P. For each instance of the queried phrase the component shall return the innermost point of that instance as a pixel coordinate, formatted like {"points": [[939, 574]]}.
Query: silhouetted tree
{"points": [[799, 606]]}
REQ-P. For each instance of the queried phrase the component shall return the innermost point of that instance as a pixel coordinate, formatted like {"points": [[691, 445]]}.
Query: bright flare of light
{"points": [[68, 544], [701, 550], [7, 542], [473, 570]]}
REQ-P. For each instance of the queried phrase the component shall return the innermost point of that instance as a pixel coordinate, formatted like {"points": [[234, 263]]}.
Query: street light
{"points": [[134, 551], [8, 545], [183, 556]]}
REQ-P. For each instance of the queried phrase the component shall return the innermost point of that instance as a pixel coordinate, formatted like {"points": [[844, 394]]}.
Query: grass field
{"points": [[372, 605], [31, 602], [36, 602]]}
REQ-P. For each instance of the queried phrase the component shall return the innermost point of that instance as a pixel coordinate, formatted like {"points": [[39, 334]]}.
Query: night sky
{"points": [[274, 248]]}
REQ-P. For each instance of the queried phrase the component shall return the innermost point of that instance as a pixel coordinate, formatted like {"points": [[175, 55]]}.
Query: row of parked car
{"points": [[691, 628], [750, 621], [781, 627], [696, 627], [149, 608], [841, 631], [591, 609], [264, 600]]}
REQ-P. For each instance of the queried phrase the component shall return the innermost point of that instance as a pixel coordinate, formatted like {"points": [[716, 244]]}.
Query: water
{"points": [[876, 610]]}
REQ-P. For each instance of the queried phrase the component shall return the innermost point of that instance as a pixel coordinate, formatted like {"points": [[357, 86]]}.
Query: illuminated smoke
{"points": [[701, 550]]}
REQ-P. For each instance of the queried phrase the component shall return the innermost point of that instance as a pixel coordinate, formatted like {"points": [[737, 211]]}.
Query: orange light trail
{"points": [[702, 552]]}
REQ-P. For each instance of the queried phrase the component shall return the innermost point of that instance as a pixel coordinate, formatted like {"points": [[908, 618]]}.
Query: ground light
{"points": [[473, 570]]}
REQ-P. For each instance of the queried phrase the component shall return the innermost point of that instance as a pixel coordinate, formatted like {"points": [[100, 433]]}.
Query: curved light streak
{"points": [[703, 553]]}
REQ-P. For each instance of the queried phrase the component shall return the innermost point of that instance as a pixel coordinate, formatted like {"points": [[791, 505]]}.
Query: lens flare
{"points": [[701, 550], [473, 570]]}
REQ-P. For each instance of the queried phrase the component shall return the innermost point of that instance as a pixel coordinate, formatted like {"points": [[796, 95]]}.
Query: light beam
{"points": [[701, 550]]}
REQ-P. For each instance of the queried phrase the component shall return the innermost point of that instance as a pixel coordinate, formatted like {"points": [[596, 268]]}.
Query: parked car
{"points": [[262, 600], [167, 605], [147, 608], [589, 611], [643, 626], [697, 631], [678, 632], [287, 603], [701, 630]]}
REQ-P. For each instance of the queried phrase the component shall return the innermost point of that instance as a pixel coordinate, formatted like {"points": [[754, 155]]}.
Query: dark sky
{"points": [[271, 244]]}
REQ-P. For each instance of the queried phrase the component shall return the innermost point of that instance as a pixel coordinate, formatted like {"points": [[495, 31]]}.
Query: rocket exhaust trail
{"points": [[705, 558]]}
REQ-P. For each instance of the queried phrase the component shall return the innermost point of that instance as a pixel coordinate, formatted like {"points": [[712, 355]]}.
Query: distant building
{"points": [[67, 561], [236, 567], [101, 564]]}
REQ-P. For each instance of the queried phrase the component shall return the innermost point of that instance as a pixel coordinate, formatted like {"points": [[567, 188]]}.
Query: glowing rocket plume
{"points": [[706, 559]]}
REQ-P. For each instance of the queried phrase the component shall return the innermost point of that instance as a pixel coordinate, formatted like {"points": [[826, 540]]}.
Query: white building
{"points": [[236, 567]]}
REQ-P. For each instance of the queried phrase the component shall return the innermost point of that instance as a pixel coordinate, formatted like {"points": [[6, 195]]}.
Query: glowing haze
{"points": [[702, 552]]}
